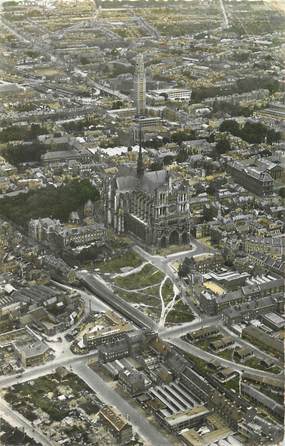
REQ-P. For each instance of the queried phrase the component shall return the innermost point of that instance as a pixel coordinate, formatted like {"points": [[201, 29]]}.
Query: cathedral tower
{"points": [[140, 87]]}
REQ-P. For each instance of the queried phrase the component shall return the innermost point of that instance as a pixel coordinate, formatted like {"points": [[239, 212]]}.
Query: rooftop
{"points": [[6, 301], [149, 182], [114, 418], [275, 319], [33, 349], [212, 286], [183, 416], [192, 437]]}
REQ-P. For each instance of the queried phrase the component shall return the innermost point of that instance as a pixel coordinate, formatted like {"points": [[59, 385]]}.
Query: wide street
{"points": [[44, 369], [210, 357], [109, 396], [181, 330]]}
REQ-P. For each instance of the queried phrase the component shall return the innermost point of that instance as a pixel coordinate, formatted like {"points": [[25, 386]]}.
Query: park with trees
{"points": [[50, 202]]}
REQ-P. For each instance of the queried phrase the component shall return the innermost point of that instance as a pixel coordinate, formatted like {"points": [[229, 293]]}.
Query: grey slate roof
{"points": [[148, 183]]}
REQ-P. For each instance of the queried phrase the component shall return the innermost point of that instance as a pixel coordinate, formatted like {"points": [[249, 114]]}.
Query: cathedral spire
{"points": [[140, 165]]}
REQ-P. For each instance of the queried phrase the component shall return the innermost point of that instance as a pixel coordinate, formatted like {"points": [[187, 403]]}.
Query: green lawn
{"points": [[146, 277], [115, 264], [233, 384], [201, 365], [167, 291], [181, 313], [226, 354], [147, 297], [203, 344], [173, 249], [255, 363], [264, 347], [274, 369], [151, 277]]}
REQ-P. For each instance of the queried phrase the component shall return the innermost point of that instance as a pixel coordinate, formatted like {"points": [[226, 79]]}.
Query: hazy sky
{"points": [[276, 4]]}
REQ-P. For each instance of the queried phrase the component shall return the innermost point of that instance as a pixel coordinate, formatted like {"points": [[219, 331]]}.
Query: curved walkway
{"points": [[135, 270]]}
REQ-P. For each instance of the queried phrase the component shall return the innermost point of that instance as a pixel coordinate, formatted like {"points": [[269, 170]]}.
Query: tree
{"points": [[48, 202], [32, 53], [273, 136], [199, 188], [156, 165], [209, 212], [254, 132], [282, 192], [84, 60], [215, 185], [183, 135], [241, 56], [229, 256], [231, 126], [211, 137], [19, 133], [154, 143], [168, 159], [22, 153], [116, 105], [184, 267], [222, 146], [182, 156], [258, 269]]}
